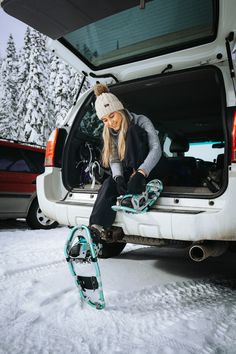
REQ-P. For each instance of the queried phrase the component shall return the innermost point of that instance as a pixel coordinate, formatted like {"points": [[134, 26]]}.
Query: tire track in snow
{"points": [[135, 314], [27, 272], [178, 303], [26, 314], [226, 329], [148, 320]]}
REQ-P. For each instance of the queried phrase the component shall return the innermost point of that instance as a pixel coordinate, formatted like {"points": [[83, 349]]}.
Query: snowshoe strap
{"points": [[92, 166], [89, 283]]}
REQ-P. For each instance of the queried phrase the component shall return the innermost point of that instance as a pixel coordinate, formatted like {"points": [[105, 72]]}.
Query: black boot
{"points": [[75, 251], [96, 238], [95, 233]]}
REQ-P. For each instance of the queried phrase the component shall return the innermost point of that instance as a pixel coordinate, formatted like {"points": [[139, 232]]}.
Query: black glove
{"points": [[137, 183], [121, 185]]}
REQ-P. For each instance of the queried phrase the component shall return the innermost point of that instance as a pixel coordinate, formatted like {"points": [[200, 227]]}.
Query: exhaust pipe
{"points": [[199, 252]]}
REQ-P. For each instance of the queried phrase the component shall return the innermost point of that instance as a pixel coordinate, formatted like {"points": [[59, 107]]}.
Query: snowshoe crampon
{"points": [[81, 253], [140, 203]]}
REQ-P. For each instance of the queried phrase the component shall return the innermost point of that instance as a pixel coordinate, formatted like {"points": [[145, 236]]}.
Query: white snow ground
{"points": [[157, 300]]}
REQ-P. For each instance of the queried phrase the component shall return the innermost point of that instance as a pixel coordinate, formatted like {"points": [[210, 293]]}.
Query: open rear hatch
{"points": [[136, 43], [132, 37], [187, 108]]}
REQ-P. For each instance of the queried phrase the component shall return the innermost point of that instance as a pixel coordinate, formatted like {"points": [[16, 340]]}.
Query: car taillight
{"points": [[51, 149], [233, 157]]}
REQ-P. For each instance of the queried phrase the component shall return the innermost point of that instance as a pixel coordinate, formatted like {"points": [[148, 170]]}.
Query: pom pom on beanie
{"points": [[100, 89], [106, 102]]}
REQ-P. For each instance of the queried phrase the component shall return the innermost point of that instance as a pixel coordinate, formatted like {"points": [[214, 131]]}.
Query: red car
{"points": [[20, 164]]}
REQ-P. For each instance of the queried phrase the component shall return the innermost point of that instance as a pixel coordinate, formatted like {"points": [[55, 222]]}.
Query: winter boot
{"points": [[75, 250]]}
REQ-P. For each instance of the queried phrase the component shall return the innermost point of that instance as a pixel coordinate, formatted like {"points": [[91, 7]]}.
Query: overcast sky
{"points": [[9, 25]]}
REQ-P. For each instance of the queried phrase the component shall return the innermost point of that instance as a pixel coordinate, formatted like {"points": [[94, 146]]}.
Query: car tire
{"points": [[37, 220], [232, 246], [111, 249]]}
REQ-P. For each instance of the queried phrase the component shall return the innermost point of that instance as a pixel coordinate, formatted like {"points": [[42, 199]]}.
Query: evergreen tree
{"points": [[24, 70], [54, 109], [1, 89], [34, 105], [75, 82], [64, 86], [24, 57], [2, 123], [8, 102], [61, 90], [37, 90], [1, 60]]}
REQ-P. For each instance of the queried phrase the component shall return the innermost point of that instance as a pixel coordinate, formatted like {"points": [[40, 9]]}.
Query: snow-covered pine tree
{"points": [[9, 97], [24, 57], [1, 91], [24, 69], [64, 86], [53, 72], [46, 88], [75, 82], [35, 91], [1, 94], [61, 90], [0, 60], [59, 79]]}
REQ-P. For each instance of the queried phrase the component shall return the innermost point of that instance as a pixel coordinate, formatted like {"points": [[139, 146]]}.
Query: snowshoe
{"points": [[81, 252], [140, 203]]}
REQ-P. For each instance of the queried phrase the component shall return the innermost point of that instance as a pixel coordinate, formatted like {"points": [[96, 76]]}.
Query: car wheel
{"points": [[111, 249], [37, 220], [232, 246]]}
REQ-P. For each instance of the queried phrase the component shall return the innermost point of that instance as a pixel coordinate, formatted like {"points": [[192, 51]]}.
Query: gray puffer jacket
{"points": [[153, 141]]}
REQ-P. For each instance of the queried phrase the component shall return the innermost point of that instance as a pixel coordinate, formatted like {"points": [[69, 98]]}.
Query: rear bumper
{"points": [[191, 220], [51, 193]]}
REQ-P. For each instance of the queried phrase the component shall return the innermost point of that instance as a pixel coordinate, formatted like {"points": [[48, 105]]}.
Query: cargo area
{"points": [[188, 110]]}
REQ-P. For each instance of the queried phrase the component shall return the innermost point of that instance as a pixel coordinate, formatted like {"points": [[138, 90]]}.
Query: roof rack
{"points": [[22, 142]]}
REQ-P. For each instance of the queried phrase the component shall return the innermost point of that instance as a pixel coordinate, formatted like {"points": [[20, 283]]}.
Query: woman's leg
{"points": [[102, 214]]}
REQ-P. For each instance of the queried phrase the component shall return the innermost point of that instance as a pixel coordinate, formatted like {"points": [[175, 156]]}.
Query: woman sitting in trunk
{"points": [[131, 149]]}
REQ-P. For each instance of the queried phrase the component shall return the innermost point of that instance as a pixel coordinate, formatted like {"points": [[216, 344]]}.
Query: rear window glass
{"points": [[90, 124], [21, 160], [208, 151], [35, 160], [161, 26], [11, 160], [204, 150]]}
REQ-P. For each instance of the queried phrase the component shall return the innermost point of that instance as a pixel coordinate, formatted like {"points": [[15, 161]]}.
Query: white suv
{"points": [[172, 61]]}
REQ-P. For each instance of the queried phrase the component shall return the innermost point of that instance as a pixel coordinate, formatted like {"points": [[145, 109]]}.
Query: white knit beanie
{"points": [[106, 102]]}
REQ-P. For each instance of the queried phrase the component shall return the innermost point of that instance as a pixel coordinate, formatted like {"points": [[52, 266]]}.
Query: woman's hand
{"points": [[121, 185], [137, 183]]}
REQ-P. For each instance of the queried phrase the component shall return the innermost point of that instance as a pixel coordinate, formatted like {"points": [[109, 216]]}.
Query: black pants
{"points": [[135, 154]]}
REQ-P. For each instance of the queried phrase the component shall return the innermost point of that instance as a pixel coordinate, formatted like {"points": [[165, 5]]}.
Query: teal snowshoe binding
{"points": [[81, 251], [140, 203]]}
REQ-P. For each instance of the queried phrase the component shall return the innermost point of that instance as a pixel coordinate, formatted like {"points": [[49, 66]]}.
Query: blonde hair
{"points": [[107, 140]]}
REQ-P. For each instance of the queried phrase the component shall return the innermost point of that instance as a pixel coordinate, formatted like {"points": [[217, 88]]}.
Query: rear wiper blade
{"points": [[104, 76]]}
